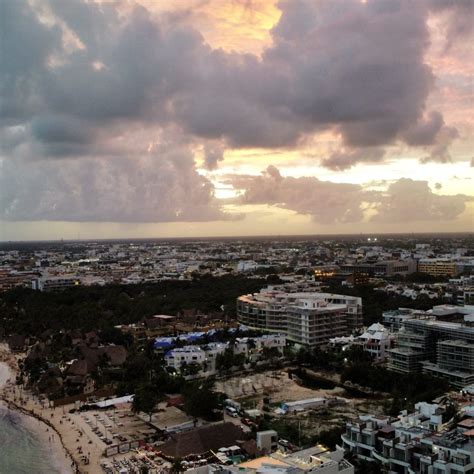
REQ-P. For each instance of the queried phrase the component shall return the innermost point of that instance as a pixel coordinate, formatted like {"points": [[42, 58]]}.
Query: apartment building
{"points": [[307, 318], [394, 319], [178, 357], [53, 283], [10, 278], [383, 268], [454, 362], [412, 443], [438, 267], [440, 348]]}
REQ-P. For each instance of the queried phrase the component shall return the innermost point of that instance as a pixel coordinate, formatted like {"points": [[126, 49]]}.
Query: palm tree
{"points": [[177, 466]]}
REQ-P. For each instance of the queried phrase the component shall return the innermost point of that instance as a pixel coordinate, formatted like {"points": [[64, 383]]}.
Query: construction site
{"points": [[308, 410]]}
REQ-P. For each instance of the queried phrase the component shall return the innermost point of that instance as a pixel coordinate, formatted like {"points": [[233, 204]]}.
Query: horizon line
{"points": [[245, 237]]}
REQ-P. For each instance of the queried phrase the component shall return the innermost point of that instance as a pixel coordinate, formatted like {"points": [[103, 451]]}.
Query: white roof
{"points": [[115, 401], [307, 401]]}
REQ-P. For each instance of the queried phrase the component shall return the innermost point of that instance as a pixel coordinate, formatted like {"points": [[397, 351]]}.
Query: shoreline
{"points": [[28, 417], [62, 457]]}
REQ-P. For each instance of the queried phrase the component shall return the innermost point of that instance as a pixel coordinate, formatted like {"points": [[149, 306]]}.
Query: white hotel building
{"points": [[307, 318], [205, 355]]}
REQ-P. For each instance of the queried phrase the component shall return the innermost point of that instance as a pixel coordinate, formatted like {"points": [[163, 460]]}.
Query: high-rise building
{"points": [[440, 348]]}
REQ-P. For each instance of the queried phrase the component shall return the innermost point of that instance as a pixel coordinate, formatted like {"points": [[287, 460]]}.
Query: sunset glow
{"points": [[201, 118]]}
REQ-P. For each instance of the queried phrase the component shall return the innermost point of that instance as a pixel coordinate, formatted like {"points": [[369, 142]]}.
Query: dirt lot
{"points": [[274, 383], [279, 387]]}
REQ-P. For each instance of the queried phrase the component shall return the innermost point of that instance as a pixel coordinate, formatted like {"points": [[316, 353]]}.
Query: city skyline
{"points": [[196, 119]]}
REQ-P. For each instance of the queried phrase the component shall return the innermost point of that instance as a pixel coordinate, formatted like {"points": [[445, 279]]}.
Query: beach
{"points": [[28, 440], [69, 438]]}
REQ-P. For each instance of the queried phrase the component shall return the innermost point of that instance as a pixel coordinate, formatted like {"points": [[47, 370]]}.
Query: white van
{"points": [[231, 411]]}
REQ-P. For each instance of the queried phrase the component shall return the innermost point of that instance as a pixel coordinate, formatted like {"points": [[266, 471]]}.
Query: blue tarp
{"points": [[163, 343]]}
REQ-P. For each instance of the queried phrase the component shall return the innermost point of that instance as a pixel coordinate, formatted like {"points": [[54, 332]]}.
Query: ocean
{"points": [[24, 448]]}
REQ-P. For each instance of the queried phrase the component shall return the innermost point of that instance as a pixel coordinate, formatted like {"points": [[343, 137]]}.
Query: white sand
{"points": [[5, 374]]}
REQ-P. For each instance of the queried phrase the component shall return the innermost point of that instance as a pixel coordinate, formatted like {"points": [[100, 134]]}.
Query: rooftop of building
{"points": [[455, 438], [185, 350], [201, 440]]}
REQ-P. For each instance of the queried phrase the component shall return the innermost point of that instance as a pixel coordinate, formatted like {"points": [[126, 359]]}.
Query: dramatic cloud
{"points": [[425, 132], [409, 200], [433, 134], [327, 203], [353, 66], [147, 189], [90, 91]]}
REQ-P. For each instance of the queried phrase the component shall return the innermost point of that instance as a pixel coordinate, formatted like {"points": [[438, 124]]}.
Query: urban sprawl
{"points": [[322, 356]]}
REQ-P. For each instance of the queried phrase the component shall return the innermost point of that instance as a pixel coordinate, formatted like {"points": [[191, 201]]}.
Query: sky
{"points": [[195, 118]]}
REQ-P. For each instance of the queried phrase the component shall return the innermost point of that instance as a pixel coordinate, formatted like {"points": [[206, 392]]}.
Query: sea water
{"points": [[23, 448]]}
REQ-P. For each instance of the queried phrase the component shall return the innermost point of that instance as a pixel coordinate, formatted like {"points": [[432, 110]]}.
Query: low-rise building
{"points": [[314, 460], [306, 404], [52, 283], [181, 356], [377, 340], [438, 266], [267, 441], [205, 355]]}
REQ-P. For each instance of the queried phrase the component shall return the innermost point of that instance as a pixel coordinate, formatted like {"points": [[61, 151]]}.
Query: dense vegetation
{"points": [[374, 302], [356, 366], [301, 435], [405, 389], [31, 312], [332, 361]]}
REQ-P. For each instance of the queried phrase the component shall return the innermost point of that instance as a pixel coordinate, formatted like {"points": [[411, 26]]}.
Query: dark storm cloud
{"points": [[61, 129], [357, 67], [25, 45], [425, 132], [329, 203]]}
